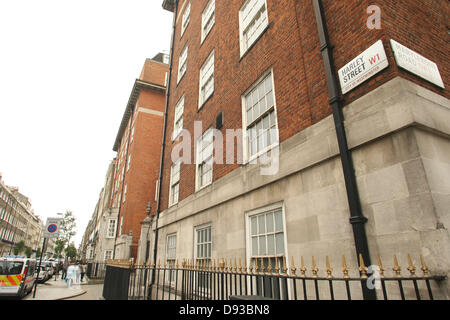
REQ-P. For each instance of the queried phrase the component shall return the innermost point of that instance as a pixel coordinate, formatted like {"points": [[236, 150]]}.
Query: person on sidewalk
{"points": [[83, 270], [64, 272]]}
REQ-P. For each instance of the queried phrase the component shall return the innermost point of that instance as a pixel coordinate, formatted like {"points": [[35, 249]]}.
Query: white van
{"points": [[17, 276]]}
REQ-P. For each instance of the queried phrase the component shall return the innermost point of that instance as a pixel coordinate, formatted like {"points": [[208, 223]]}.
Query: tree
{"points": [[71, 251], [59, 247], [38, 253], [67, 228], [28, 252], [19, 247]]}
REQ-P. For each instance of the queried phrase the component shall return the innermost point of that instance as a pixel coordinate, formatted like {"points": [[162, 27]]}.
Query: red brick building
{"points": [[138, 147], [258, 64]]}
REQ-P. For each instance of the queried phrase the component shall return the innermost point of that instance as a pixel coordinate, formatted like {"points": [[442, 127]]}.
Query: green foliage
{"points": [[28, 252], [71, 251], [67, 228], [19, 247]]}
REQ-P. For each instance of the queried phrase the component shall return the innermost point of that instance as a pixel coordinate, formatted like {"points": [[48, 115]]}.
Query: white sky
{"points": [[66, 72]]}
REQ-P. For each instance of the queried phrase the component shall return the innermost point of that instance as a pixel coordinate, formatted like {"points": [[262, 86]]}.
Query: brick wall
{"points": [[145, 151], [290, 46]]}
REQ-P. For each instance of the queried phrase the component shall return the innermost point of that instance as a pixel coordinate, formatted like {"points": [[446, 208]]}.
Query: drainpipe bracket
{"points": [[358, 220]]}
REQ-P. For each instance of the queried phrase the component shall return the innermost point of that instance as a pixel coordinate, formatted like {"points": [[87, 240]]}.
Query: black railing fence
{"points": [[223, 280], [96, 270]]}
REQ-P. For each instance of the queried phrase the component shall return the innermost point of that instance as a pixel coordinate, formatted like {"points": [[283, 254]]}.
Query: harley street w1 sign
{"points": [[363, 67]]}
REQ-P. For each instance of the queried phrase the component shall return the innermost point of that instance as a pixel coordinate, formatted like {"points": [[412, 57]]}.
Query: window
{"points": [[129, 161], [203, 248], [178, 118], [204, 159], [111, 233], [182, 63], [125, 193], [208, 18], [186, 18], [108, 254], [171, 255], [253, 20], [259, 116], [174, 182], [266, 244], [206, 79]]}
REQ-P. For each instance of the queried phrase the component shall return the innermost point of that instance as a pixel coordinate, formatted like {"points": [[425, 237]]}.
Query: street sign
{"points": [[363, 67], [51, 229], [417, 64]]}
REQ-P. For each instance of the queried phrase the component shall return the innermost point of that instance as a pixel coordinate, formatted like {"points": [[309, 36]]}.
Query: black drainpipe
{"points": [[163, 146], [357, 219]]}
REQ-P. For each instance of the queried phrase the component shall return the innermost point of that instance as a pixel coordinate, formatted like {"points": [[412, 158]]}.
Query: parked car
{"points": [[42, 273], [17, 276]]}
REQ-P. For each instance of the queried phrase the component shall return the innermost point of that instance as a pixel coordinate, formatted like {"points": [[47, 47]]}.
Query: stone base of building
{"points": [[399, 136], [123, 247]]}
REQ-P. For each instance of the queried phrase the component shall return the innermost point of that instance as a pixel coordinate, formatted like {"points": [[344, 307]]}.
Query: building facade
{"points": [[17, 221], [250, 114], [138, 147]]}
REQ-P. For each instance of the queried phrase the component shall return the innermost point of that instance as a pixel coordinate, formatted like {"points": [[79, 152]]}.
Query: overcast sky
{"points": [[66, 72]]}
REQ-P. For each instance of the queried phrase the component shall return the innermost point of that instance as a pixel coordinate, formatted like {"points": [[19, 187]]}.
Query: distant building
{"points": [[17, 221], [138, 147]]}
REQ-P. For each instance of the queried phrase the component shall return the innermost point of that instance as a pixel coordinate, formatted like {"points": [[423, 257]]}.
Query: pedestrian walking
{"points": [[83, 270], [64, 272]]}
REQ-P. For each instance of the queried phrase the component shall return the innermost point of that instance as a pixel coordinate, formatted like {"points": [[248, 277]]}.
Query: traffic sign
{"points": [[52, 228]]}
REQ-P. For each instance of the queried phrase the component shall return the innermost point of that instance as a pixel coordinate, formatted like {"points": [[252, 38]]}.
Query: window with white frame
{"points": [[182, 63], [129, 161], [125, 193], [253, 20], [206, 85], [171, 255], [208, 18], [259, 117], [204, 159], [111, 232], [108, 255], [178, 118], [186, 18], [203, 250], [266, 244], [174, 182]]}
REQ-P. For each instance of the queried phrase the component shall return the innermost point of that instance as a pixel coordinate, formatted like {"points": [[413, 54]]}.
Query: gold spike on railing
{"points": [[397, 269], [293, 269], [362, 267], [303, 268], [284, 266], [380, 266], [262, 268], [240, 265], [235, 265], [269, 267], [159, 264], [329, 268], [231, 266], [314, 268], [277, 268], [245, 266], [221, 265], [411, 267], [345, 269], [426, 272]]}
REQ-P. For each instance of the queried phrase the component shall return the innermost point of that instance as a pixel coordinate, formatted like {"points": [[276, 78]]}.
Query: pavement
{"points": [[58, 290]]}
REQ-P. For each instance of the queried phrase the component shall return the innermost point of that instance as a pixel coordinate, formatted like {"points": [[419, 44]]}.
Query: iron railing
{"points": [[223, 280], [96, 270]]}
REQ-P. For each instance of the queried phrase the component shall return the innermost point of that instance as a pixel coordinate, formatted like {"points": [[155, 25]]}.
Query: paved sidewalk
{"points": [[56, 290]]}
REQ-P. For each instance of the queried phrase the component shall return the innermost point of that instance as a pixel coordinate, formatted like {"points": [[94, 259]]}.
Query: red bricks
{"points": [[291, 47], [145, 151]]}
